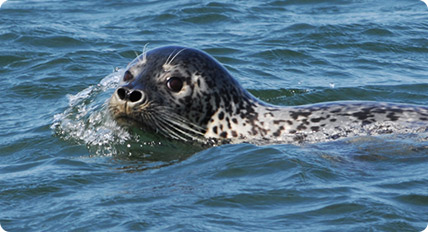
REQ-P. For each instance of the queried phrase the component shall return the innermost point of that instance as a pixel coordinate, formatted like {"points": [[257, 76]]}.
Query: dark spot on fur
{"points": [[315, 128], [366, 122], [333, 120], [392, 116], [223, 134], [221, 115], [299, 138], [397, 110], [269, 113], [272, 109], [238, 110], [292, 131], [336, 136], [379, 111], [278, 132], [362, 115], [317, 119], [276, 122], [301, 127], [295, 114], [345, 114], [215, 129], [234, 134]]}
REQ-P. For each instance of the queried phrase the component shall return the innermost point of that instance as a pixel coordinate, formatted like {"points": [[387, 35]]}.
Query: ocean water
{"points": [[66, 166]]}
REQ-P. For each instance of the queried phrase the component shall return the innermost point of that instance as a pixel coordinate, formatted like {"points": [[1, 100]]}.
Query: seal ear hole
{"points": [[128, 76], [174, 84]]}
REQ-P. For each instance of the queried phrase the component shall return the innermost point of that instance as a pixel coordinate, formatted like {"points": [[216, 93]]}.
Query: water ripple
{"points": [[65, 165]]}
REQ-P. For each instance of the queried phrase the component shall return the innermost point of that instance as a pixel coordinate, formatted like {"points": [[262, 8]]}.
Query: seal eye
{"points": [[127, 76], [174, 84]]}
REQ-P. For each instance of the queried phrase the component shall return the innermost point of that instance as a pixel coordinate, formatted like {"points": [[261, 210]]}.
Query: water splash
{"points": [[1, 2], [86, 120], [425, 1]]}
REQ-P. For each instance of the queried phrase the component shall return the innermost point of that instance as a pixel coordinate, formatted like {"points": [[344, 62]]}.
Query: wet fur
{"points": [[213, 105]]}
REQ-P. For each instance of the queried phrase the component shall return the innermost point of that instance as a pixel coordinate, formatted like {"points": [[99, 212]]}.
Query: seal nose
{"points": [[132, 95]]}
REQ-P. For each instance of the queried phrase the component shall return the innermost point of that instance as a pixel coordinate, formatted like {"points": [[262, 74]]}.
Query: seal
{"points": [[185, 94]]}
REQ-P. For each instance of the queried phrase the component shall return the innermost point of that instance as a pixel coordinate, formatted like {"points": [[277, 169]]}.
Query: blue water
{"points": [[66, 166]]}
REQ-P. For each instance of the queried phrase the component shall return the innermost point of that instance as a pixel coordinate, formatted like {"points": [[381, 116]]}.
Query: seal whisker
{"points": [[176, 54], [179, 128], [185, 124], [182, 122], [165, 131], [172, 132], [145, 52], [142, 106], [187, 127], [157, 126], [162, 125], [169, 57], [136, 55]]}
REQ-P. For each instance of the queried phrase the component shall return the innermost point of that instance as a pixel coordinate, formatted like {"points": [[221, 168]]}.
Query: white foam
{"points": [[425, 1], [86, 119], [2, 1], [1, 229]]}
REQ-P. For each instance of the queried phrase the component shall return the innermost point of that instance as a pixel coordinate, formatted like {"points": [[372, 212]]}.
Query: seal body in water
{"points": [[185, 94]]}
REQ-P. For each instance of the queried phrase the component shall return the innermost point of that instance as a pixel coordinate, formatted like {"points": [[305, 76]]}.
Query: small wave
{"points": [[86, 120]]}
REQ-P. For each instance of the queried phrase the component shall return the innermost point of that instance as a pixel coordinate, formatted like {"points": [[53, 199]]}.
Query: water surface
{"points": [[66, 166]]}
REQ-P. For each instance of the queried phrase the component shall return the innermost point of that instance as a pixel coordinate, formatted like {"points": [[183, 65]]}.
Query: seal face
{"points": [[174, 91], [185, 94]]}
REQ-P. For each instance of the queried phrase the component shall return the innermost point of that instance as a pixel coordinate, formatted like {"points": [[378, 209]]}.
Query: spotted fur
{"points": [[213, 105]]}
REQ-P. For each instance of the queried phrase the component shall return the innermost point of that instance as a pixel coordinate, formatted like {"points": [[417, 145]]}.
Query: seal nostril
{"points": [[121, 93], [135, 96]]}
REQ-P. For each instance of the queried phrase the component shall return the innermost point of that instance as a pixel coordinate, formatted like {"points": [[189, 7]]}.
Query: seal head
{"points": [[175, 91]]}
